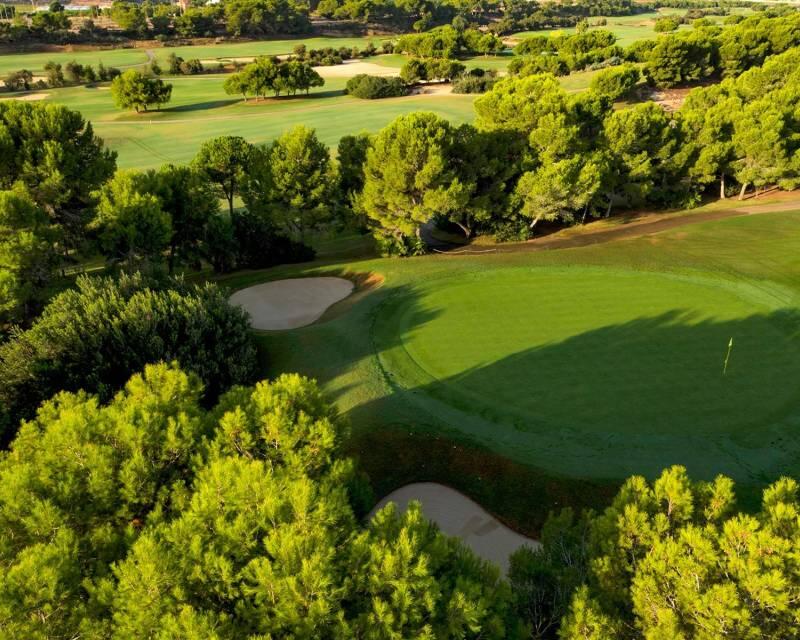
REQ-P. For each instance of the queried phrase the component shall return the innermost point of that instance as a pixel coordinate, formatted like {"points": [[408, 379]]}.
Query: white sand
{"points": [[287, 304], [28, 97], [457, 515], [351, 68]]}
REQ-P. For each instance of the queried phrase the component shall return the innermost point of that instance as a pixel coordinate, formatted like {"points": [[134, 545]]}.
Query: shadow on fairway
{"points": [[201, 106], [623, 399], [341, 342]]}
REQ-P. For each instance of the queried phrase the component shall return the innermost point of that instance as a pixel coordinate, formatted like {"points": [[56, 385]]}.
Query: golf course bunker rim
{"points": [[457, 515], [291, 303]]}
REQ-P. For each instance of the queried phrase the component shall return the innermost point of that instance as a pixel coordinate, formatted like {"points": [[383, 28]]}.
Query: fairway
{"points": [[200, 109], [553, 373], [570, 362]]}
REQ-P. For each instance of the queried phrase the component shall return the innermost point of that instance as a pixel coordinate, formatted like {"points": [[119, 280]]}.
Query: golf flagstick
{"points": [[727, 357]]}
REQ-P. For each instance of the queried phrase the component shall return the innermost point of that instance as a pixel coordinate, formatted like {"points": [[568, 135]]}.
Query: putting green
{"points": [[559, 366]]}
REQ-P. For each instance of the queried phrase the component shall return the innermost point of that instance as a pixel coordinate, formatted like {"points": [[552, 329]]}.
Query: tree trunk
{"points": [[608, 211], [741, 193], [467, 231], [722, 187], [585, 211]]}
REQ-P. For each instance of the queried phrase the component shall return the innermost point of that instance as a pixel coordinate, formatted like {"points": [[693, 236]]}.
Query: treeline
{"points": [[53, 216], [58, 75], [271, 75], [537, 153], [708, 52], [703, 53], [447, 42], [564, 54]]}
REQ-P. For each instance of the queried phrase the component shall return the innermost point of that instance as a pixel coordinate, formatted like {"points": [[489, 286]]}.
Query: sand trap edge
{"points": [[459, 515], [291, 303]]}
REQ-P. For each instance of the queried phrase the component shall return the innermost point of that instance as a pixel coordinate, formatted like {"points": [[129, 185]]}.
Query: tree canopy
{"points": [[168, 520], [95, 336], [138, 91]]}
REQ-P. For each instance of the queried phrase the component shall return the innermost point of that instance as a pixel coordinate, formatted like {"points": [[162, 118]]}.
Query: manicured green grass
{"points": [[228, 50], [629, 29], [555, 374], [200, 110], [139, 56], [35, 61]]}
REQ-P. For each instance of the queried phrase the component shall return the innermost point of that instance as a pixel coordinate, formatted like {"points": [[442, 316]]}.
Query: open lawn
{"points": [[629, 29], [200, 110], [551, 375], [35, 62], [132, 57]]}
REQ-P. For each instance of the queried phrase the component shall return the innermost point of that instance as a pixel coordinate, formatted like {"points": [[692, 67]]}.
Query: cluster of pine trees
{"points": [[270, 75], [538, 153]]}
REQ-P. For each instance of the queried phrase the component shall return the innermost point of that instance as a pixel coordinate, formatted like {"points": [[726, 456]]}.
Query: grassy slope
{"points": [[200, 109], [403, 434]]}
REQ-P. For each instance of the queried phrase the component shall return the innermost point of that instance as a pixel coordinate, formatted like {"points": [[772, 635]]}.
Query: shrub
{"points": [[616, 82], [95, 336], [476, 81], [372, 87]]}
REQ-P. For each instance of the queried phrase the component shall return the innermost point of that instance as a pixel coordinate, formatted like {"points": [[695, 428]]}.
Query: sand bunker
{"points": [[457, 515], [352, 68], [28, 97], [287, 304]]}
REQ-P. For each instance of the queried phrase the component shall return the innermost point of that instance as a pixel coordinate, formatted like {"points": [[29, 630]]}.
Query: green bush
{"points": [[372, 87], [616, 82], [95, 336]]}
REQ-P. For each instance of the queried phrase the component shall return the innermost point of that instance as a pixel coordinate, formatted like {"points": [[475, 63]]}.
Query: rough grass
{"points": [[536, 380]]}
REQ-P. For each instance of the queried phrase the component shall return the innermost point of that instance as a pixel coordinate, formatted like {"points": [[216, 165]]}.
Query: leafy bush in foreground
{"points": [[152, 518], [94, 337]]}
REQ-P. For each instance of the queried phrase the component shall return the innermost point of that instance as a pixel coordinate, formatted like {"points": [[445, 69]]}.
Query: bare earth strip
{"points": [[287, 304], [457, 515], [28, 97], [642, 225]]}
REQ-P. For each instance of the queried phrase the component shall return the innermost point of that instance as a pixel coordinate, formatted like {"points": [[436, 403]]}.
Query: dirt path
{"points": [[639, 225], [457, 515]]}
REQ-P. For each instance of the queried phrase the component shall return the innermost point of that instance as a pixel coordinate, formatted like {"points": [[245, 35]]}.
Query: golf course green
{"points": [[592, 363], [529, 379]]}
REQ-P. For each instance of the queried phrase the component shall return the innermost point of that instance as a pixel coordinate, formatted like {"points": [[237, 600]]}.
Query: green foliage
{"points": [[443, 42], [223, 161], [372, 87], [672, 559], [681, 59], [666, 24], [475, 81], [135, 90], [268, 74], [432, 70], [26, 256], [408, 176], [561, 54], [615, 83], [292, 181], [78, 484], [352, 154], [265, 17], [132, 226], [95, 336], [166, 519], [54, 153]]}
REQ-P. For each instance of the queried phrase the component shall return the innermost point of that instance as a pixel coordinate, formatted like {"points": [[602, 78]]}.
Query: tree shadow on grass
{"points": [[201, 106], [563, 423]]}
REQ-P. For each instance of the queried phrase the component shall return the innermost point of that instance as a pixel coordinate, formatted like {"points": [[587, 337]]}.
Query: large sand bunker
{"points": [[457, 515], [287, 304]]}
